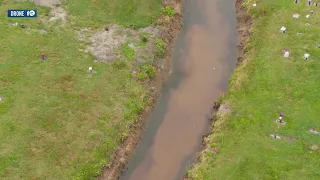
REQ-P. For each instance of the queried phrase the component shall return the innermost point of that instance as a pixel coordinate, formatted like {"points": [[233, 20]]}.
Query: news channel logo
{"points": [[22, 13]]}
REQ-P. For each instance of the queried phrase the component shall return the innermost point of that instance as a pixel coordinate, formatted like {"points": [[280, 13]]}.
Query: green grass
{"points": [[263, 86], [169, 11], [129, 13], [160, 46], [146, 71], [57, 121]]}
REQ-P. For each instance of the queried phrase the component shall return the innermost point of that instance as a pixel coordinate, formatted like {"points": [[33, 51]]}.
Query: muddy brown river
{"points": [[204, 58]]}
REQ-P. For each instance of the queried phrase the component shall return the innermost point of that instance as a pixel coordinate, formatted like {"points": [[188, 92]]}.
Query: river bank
{"points": [[128, 146], [222, 109], [204, 57], [242, 144]]}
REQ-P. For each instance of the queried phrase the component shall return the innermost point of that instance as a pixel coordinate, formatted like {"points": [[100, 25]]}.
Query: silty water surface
{"points": [[204, 58]]}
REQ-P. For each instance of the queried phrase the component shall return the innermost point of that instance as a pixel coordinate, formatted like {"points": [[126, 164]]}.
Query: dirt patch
{"points": [[105, 44], [45, 3], [221, 111], [58, 13], [244, 28], [127, 148], [315, 148]]}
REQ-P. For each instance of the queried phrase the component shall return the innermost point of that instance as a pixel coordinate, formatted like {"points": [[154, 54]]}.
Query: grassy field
{"points": [[57, 121], [263, 86], [133, 13]]}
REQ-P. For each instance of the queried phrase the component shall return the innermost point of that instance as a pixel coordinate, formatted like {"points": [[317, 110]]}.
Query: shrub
{"points": [[147, 71], [144, 38], [160, 46], [169, 11], [128, 52]]}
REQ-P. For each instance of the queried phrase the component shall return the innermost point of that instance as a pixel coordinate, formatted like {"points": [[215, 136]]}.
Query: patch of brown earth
{"points": [[45, 3], [220, 111], [126, 149], [244, 26], [105, 44], [58, 13], [315, 148]]}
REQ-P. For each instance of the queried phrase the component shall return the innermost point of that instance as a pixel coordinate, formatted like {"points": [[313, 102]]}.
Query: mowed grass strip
{"points": [[57, 121], [129, 13], [263, 86]]}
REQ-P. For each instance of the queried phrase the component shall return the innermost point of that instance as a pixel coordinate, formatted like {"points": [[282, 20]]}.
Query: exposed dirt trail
{"points": [[200, 75]]}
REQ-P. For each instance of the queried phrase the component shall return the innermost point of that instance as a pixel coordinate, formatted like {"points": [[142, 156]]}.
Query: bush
{"points": [[169, 11], [144, 38], [142, 76], [128, 52], [147, 71], [160, 46]]}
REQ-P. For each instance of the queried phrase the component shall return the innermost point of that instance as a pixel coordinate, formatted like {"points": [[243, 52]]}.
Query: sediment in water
{"points": [[222, 109]]}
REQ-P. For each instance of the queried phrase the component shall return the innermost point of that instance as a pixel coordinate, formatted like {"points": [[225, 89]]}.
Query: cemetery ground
{"points": [[57, 120], [264, 84]]}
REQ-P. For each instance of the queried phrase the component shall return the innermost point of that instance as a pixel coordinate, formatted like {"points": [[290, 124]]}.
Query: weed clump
{"points": [[144, 38], [160, 46], [121, 64], [147, 71], [128, 52], [169, 11]]}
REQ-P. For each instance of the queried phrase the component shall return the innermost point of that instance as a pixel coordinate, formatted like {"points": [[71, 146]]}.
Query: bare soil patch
{"points": [[169, 32], [105, 44], [58, 13], [315, 148], [45, 3], [244, 27]]}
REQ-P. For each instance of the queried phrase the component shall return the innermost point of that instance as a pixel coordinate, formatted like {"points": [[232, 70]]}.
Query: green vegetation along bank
{"points": [[265, 84]]}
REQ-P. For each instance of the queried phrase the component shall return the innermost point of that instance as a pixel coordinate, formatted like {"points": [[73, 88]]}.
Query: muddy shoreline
{"points": [[244, 24], [124, 151]]}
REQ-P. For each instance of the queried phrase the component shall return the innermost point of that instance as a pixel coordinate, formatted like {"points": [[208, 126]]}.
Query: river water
{"points": [[204, 58]]}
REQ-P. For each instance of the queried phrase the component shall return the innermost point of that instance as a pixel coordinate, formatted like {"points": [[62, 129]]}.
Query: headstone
{"points": [[296, 15], [306, 56], [286, 53], [283, 29], [275, 136]]}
